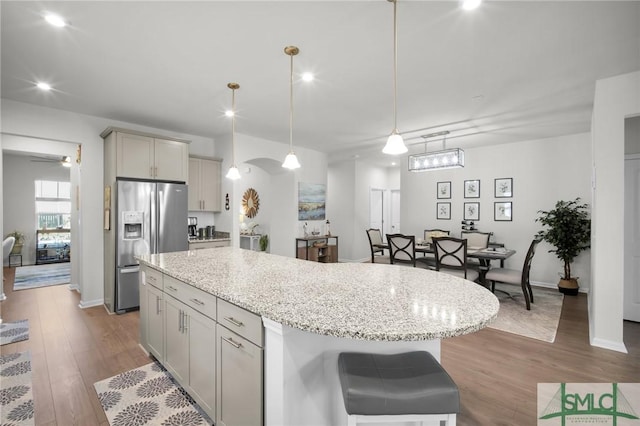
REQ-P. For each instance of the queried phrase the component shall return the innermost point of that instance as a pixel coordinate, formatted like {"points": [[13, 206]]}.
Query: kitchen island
{"points": [[313, 311]]}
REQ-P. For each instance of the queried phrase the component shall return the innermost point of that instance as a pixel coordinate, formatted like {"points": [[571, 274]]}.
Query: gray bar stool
{"points": [[404, 387]]}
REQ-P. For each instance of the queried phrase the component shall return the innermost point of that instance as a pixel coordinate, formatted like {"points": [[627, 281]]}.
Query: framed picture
{"points": [[444, 190], [502, 211], [471, 211], [472, 188], [443, 211], [503, 188]]}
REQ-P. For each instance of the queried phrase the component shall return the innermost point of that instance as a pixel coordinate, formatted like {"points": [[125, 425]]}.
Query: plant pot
{"points": [[569, 287]]}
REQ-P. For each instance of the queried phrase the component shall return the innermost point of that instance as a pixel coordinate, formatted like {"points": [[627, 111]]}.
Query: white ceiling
{"points": [[509, 71]]}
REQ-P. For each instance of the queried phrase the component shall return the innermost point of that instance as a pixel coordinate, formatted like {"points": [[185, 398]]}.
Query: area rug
{"points": [[541, 322], [16, 397], [16, 331], [42, 275], [148, 396]]}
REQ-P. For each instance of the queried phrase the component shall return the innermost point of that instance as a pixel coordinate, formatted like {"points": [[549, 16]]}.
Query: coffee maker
{"points": [[192, 223]]}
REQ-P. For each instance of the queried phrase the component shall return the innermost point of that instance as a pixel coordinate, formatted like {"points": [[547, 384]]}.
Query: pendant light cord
{"points": [[291, 108], [395, 68], [233, 128]]}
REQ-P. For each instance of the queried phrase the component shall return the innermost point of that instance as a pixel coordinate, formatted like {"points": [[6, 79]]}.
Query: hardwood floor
{"points": [[497, 372]]}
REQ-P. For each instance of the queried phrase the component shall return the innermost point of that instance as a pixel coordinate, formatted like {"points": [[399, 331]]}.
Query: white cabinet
{"points": [[239, 365], [139, 155], [152, 312], [204, 185], [176, 358]]}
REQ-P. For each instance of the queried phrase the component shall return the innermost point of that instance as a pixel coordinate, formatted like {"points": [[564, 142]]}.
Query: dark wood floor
{"points": [[497, 372]]}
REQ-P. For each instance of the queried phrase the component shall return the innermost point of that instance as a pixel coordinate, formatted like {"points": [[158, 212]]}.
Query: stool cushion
{"points": [[405, 383]]}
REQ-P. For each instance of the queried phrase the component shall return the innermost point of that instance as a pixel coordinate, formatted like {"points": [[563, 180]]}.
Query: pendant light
{"points": [[291, 161], [395, 144], [233, 172]]}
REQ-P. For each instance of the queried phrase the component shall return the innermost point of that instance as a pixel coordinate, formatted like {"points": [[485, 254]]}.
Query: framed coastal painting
{"points": [[443, 211], [311, 201], [472, 188], [502, 211], [503, 188], [444, 190], [471, 211]]}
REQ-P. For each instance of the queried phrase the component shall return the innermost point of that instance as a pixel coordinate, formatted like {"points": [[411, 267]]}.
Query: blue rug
{"points": [[42, 275]]}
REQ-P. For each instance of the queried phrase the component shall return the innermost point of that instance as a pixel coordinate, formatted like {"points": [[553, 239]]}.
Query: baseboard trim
{"points": [[608, 344], [90, 304], [555, 286]]}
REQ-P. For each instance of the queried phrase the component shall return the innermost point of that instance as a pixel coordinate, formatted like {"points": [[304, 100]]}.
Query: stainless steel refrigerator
{"points": [[151, 218]]}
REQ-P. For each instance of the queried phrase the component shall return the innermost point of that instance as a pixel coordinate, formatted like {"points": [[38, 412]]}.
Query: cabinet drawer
{"points": [[191, 296], [153, 277], [241, 321]]}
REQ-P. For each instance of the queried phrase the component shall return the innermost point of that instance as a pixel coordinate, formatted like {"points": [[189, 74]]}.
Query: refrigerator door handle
{"points": [[130, 270]]}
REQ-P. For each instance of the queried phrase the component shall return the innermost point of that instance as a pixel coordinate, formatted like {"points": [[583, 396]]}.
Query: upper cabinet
{"points": [[142, 156], [204, 184]]}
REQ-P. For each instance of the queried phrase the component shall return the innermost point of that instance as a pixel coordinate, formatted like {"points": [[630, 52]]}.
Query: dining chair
{"points": [[451, 257], [429, 259], [516, 277], [375, 240], [402, 248], [476, 241], [430, 233], [7, 246]]}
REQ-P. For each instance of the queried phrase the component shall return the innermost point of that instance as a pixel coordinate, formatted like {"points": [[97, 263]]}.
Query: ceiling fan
{"points": [[63, 160]]}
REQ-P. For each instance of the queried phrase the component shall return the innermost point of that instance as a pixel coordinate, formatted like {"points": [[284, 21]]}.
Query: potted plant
{"points": [[264, 242], [569, 231], [17, 246]]}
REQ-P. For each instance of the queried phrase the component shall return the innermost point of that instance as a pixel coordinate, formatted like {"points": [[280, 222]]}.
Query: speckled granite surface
{"points": [[353, 300]]}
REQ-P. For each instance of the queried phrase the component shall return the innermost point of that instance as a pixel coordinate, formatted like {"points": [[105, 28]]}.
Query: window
{"points": [[53, 204]]}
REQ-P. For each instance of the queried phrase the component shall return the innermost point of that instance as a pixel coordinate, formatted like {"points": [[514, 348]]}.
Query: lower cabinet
{"points": [[190, 352], [239, 381], [221, 367]]}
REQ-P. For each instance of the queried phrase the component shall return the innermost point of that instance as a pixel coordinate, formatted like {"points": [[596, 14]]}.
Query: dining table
{"points": [[484, 255]]}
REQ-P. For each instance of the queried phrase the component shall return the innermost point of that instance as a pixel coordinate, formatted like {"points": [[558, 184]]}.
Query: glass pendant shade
{"points": [[395, 144], [437, 160], [233, 173], [291, 161]]}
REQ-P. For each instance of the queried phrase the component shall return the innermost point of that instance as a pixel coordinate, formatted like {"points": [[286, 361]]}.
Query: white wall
{"points": [[616, 98], [279, 187], [31, 121], [543, 171]]}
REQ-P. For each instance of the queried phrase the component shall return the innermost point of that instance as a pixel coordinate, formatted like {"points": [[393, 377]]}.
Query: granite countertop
{"points": [[352, 300]]}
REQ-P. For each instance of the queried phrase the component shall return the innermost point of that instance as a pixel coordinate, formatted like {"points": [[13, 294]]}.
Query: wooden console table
{"points": [[321, 248]]}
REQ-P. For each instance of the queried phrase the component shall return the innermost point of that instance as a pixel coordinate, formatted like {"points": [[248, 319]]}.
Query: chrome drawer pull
{"points": [[232, 343], [234, 322], [152, 278], [197, 302], [172, 288]]}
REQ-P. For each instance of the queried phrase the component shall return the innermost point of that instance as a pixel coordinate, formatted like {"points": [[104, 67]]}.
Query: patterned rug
{"points": [[541, 322], [11, 332], [148, 396], [42, 275], [16, 397]]}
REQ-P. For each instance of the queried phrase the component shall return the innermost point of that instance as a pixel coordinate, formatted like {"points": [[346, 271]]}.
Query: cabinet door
{"points": [[194, 185], [202, 360], [177, 340], [154, 316], [210, 185], [238, 380], [171, 160], [135, 156]]}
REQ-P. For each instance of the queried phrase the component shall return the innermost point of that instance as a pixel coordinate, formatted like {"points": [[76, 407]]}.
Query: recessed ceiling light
{"points": [[470, 4], [55, 20], [229, 113], [43, 86], [393, 163], [307, 76]]}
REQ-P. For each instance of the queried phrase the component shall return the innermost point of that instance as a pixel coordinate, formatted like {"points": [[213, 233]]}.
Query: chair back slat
{"points": [[402, 247], [529, 259], [451, 253]]}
